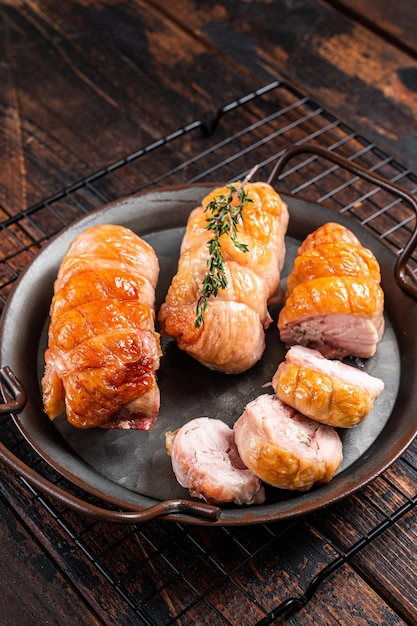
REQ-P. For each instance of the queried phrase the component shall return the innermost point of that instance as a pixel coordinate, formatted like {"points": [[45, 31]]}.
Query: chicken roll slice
{"points": [[330, 392], [333, 302], [337, 315], [284, 448], [205, 460]]}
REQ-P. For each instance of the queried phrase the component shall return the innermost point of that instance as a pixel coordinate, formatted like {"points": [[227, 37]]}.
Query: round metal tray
{"points": [[131, 469]]}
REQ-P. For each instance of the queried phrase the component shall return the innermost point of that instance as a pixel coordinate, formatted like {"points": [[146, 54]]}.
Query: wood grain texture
{"points": [[201, 574], [79, 586], [393, 21], [344, 600], [33, 590], [362, 78], [84, 83], [89, 83], [394, 569]]}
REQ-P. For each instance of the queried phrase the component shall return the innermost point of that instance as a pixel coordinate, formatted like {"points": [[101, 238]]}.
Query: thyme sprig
{"points": [[224, 218]]}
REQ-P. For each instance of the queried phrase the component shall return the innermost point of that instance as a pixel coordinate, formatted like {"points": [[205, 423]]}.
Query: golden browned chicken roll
{"points": [[330, 392], [284, 448], [330, 232], [339, 316], [334, 302], [231, 338], [333, 259], [103, 351], [205, 460]]}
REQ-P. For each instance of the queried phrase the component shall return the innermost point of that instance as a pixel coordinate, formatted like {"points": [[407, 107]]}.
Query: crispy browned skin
{"points": [[329, 392], [232, 337], [284, 448], [333, 302], [334, 294], [330, 232], [333, 259], [103, 351]]}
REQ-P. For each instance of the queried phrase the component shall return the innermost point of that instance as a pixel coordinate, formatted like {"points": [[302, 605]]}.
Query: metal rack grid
{"points": [[255, 129]]}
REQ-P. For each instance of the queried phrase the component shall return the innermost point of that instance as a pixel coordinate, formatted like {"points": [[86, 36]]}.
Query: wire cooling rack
{"points": [[247, 576]]}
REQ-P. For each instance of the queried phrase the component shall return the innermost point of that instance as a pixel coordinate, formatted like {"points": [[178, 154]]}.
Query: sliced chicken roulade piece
{"points": [[339, 316], [103, 351], [334, 302], [231, 338], [205, 460], [330, 232], [284, 448], [327, 391]]}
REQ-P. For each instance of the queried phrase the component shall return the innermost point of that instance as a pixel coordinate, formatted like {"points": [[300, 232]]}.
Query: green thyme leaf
{"points": [[224, 218]]}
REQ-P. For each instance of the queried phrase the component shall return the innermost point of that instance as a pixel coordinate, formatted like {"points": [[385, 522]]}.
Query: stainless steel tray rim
{"points": [[46, 264]]}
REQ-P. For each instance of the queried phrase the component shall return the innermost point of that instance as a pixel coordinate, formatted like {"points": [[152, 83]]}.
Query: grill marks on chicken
{"points": [[206, 461], [103, 351], [329, 392], [334, 302], [232, 337], [284, 448]]}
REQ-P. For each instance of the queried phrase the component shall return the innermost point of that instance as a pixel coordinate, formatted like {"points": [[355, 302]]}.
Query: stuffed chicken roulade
{"points": [[205, 461], [334, 302], [284, 448], [327, 391], [103, 351], [231, 338]]}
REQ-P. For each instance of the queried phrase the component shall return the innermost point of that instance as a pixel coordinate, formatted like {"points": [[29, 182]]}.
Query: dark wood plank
{"points": [[394, 21], [71, 582], [285, 571], [344, 599], [32, 589], [354, 72], [170, 573], [89, 83], [389, 562]]}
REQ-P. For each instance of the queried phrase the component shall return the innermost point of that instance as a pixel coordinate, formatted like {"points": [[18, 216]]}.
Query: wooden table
{"points": [[83, 85]]}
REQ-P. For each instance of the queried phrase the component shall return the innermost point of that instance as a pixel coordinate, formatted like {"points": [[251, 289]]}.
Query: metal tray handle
{"points": [[406, 279], [15, 400]]}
